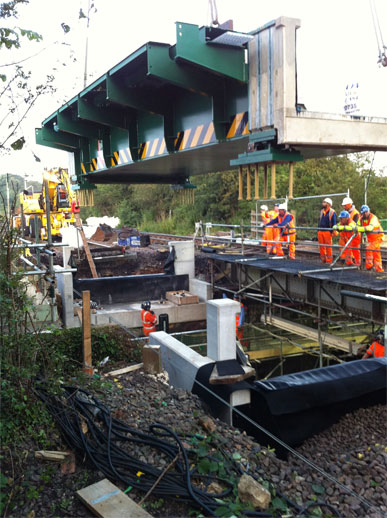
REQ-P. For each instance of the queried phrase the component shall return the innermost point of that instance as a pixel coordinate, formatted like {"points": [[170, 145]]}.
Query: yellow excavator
{"points": [[56, 188]]}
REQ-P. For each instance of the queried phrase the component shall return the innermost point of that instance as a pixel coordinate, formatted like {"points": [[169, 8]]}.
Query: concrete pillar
{"points": [[65, 288], [185, 257], [221, 337], [66, 250]]}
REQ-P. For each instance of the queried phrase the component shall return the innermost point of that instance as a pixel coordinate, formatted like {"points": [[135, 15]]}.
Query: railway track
{"points": [[304, 249]]}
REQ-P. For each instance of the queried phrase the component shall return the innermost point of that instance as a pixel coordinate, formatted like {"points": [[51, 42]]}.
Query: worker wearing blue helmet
{"points": [[346, 229]]}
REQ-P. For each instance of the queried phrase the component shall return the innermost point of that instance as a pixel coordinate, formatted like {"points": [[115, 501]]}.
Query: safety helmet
{"points": [[328, 200], [347, 201], [264, 207], [282, 206], [344, 214], [364, 208], [146, 305]]}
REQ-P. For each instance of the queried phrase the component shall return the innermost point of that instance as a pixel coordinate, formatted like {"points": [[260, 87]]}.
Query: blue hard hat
{"points": [[364, 208], [344, 214]]}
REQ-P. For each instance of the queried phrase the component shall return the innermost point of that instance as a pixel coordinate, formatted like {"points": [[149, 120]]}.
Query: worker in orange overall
{"points": [[354, 216], [148, 318], [327, 221], [346, 228], [285, 225], [376, 349], [370, 225], [268, 233], [239, 321]]}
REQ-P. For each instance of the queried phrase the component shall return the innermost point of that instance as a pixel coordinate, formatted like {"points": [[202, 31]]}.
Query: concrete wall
{"points": [[181, 362]]}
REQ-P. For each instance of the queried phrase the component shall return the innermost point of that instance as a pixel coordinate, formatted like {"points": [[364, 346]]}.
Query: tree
{"points": [[22, 87]]}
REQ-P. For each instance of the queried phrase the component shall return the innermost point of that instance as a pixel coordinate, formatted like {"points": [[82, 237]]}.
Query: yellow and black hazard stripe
{"points": [[96, 163], [122, 156], [152, 148], [239, 125], [192, 137]]}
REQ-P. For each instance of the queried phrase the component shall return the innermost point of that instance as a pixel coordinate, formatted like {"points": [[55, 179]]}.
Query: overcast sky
{"points": [[336, 46]]}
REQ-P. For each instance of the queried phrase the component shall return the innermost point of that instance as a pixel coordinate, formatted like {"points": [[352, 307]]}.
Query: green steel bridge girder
{"points": [[160, 92], [267, 155], [193, 45]]}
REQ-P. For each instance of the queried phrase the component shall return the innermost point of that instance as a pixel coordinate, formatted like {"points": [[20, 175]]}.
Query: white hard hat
{"points": [[264, 207], [347, 201], [282, 206], [328, 200]]}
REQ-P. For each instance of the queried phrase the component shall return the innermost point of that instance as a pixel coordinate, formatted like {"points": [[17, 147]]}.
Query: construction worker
{"points": [[148, 318], [268, 234], [346, 228], [285, 225], [376, 349], [354, 216], [370, 224], [327, 220], [239, 321], [275, 231]]}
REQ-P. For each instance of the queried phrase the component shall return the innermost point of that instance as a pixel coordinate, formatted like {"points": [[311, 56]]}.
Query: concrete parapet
{"points": [[130, 315], [181, 362], [201, 288]]}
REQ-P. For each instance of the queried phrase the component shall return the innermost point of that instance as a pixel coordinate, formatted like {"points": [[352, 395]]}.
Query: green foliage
{"points": [[156, 208]]}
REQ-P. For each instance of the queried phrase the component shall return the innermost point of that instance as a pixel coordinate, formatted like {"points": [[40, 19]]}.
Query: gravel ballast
{"points": [[353, 451]]}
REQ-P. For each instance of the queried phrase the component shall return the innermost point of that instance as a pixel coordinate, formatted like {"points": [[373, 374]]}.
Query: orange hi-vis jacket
{"points": [[148, 319], [354, 214], [376, 349], [372, 224]]}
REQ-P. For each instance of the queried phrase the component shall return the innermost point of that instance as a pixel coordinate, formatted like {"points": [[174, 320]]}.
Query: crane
{"points": [[379, 37]]}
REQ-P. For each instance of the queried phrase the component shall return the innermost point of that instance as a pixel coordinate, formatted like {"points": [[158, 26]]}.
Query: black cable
{"points": [[76, 408], [318, 504]]}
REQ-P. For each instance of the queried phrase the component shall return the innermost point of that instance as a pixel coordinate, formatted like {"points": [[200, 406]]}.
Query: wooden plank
{"points": [[131, 368], [107, 501], [54, 456], [230, 379], [86, 246], [78, 311], [86, 333], [327, 339]]}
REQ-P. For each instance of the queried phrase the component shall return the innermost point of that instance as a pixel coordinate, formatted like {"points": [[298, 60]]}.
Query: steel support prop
{"points": [[240, 195], [256, 183], [273, 180], [248, 184], [291, 181]]}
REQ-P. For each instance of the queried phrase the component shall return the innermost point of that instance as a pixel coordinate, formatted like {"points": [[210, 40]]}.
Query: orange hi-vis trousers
{"points": [[325, 239], [350, 256], [267, 239], [373, 255], [291, 239]]}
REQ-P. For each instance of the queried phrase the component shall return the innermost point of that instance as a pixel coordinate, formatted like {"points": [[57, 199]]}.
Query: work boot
{"points": [[323, 260], [349, 263], [379, 270]]}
